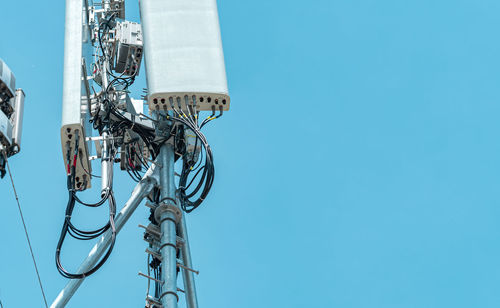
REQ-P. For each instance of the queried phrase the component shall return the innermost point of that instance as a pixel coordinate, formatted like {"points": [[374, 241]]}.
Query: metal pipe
{"points": [[188, 276], [106, 163], [141, 190], [106, 166], [168, 249]]}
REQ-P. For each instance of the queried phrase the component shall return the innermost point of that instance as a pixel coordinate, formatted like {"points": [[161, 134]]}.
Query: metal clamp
{"points": [[153, 302], [153, 230], [168, 207], [169, 292]]}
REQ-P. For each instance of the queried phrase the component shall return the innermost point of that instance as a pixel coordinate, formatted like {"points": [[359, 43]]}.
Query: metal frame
{"points": [[200, 82]]}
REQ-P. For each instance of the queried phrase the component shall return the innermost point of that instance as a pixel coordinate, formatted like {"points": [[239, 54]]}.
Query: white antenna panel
{"points": [[183, 54], [74, 118]]}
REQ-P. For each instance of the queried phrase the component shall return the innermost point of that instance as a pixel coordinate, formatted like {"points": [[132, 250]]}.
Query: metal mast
{"points": [[168, 215], [185, 70]]}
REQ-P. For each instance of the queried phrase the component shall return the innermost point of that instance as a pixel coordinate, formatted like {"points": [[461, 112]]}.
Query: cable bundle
{"points": [[69, 228], [207, 171]]}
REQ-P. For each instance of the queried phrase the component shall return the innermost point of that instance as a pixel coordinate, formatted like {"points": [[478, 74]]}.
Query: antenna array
{"points": [[181, 43]]}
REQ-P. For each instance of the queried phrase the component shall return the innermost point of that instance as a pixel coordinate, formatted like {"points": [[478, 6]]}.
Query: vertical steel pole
{"points": [[168, 243], [106, 165], [188, 276]]}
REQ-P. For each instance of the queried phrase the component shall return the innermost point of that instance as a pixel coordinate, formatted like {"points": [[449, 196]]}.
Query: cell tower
{"points": [[11, 116], [185, 71]]}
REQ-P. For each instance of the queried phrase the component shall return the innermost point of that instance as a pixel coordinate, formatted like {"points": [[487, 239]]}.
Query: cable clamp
{"points": [[153, 302], [180, 241], [153, 230], [150, 205], [168, 245], [155, 254], [170, 292]]}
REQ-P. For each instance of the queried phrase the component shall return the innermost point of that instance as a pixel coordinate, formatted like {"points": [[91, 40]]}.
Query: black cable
{"points": [[195, 176], [207, 177], [97, 204], [85, 170], [68, 227]]}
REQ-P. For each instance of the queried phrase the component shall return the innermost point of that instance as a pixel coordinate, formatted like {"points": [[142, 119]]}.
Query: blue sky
{"points": [[358, 167]]}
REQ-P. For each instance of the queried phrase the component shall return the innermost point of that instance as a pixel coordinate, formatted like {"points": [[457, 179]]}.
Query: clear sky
{"points": [[358, 167]]}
